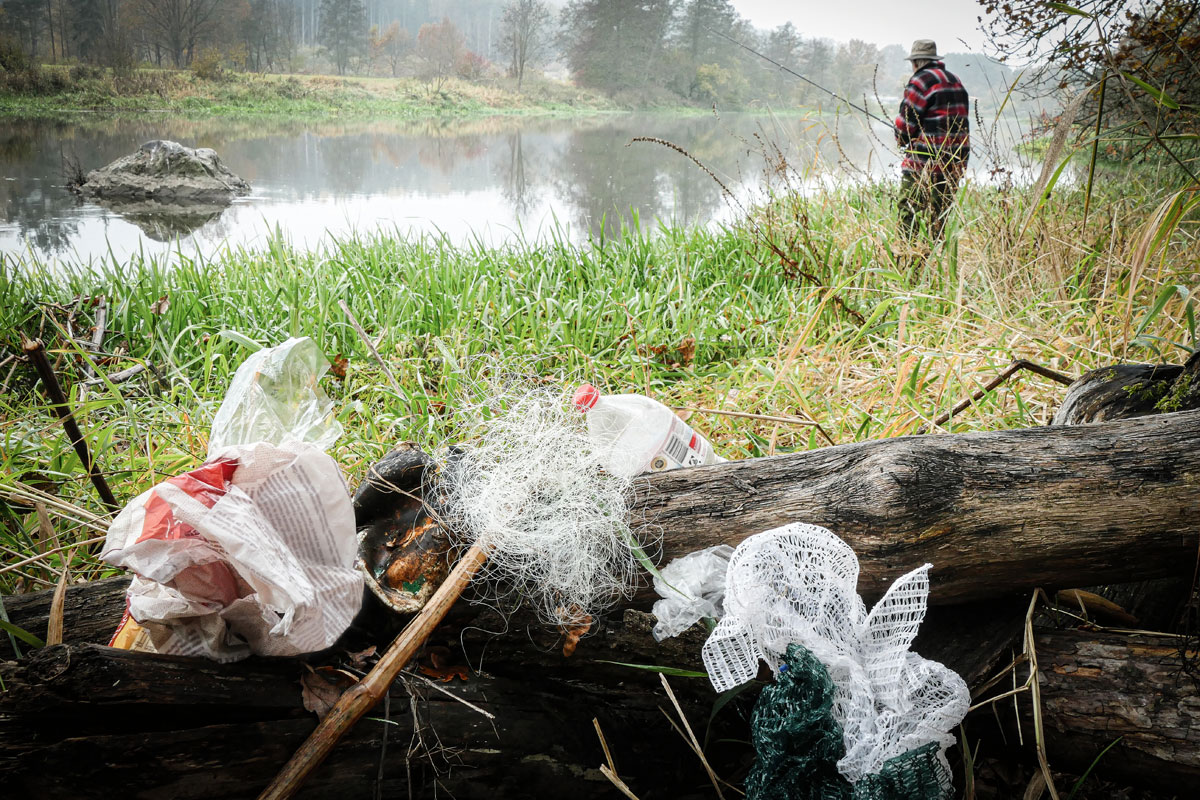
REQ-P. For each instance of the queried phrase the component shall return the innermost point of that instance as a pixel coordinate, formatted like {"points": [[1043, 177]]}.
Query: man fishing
{"points": [[932, 129]]}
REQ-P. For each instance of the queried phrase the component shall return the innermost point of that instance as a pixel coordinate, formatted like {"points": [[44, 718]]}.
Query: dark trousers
{"points": [[925, 199]]}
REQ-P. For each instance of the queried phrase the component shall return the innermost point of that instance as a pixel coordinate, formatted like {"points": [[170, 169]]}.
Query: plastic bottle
{"points": [[636, 434]]}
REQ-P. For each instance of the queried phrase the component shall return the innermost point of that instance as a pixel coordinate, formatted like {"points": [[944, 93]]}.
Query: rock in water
{"points": [[168, 171]]}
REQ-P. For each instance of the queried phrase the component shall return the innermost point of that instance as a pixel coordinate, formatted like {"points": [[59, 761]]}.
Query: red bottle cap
{"points": [[586, 396]]}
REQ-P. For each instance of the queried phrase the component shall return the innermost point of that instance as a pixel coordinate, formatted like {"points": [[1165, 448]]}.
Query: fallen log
{"points": [[995, 513], [1099, 687], [84, 720], [998, 512]]}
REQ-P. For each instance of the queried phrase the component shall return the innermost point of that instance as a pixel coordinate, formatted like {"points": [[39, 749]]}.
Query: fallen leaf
{"points": [[436, 664], [338, 368], [359, 659], [445, 675], [54, 626], [319, 692], [687, 350], [160, 306]]}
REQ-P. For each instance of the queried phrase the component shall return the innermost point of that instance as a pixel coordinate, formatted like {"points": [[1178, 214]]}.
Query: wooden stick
{"points": [[365, 694], [1005, 374], [36, 352], [118, 377]]}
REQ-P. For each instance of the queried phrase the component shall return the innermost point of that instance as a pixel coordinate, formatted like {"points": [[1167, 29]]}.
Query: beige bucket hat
{"points": [[924, 49]]}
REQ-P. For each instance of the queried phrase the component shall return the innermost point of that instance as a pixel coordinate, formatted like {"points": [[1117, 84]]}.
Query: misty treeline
{"points": [[639, 50]]}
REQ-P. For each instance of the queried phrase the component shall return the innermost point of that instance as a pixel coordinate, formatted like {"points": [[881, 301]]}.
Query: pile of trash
{"points": [[254, 553]]}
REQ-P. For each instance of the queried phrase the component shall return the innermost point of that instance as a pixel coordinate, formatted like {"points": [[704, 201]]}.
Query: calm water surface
{"points": [[491, 179]]}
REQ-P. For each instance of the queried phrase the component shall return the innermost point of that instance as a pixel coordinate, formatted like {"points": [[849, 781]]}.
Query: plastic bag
{"points": [[253, 552], [274, 397], [692, 588]]}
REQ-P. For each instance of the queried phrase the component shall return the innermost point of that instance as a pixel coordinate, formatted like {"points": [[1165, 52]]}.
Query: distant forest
{"points": [[640, 52]]}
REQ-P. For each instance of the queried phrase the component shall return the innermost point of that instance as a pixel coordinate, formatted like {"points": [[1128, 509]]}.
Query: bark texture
{"points": [[1099, 687], [993, 512]]}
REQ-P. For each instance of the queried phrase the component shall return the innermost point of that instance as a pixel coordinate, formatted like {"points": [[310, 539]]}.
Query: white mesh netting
{"points": [[529, 487], [798, 584]]}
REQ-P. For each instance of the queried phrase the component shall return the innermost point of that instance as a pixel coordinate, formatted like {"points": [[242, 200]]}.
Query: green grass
{"points": [[871, 341], [55, 89]]}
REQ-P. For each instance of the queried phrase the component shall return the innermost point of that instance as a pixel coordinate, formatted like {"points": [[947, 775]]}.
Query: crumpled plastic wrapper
{"points": [[692, 587], [253, 552]]}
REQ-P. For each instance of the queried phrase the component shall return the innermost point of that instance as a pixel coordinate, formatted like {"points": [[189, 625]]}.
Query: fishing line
{"points": [[792, 72]]}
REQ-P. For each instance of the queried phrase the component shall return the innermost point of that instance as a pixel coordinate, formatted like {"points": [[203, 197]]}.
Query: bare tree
{"points": [[440, 45], [525, 35], [179, 25]]}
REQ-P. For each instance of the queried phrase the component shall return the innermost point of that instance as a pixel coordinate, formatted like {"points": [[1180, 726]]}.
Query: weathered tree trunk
{"points": [[1131, 390], [1098, 687], [993, 512], [84, 720]]}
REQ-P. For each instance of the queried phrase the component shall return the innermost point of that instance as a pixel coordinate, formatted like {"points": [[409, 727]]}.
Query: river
{"points": [[494, 179]]}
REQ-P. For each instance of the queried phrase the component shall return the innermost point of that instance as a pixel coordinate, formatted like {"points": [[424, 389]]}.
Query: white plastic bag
{"points": [[253, 552], [692, 587]]}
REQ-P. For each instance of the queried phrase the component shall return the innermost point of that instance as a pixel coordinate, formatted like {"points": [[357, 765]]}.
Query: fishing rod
{"points": [[792, 72]]}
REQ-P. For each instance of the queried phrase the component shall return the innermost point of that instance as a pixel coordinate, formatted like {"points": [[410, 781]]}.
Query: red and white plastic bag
{"points": [[253, 552]]}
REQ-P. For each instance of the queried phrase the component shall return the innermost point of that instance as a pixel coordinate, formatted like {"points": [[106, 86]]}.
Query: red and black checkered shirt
{"points": [[933, 126]]}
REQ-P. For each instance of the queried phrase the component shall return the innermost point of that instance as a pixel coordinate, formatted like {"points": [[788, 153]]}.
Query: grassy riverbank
{"points": [[49, 90], [852, 336]]}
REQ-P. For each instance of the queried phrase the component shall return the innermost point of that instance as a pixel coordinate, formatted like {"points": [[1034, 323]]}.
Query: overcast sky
{"points": [[880, 22]]}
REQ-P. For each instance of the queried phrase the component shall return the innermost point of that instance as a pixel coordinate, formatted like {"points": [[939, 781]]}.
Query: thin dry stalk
{"points": [[1036, 695], [54, 626], [362, 334], [612, 765], [452, 695], [617, 782], [692, 741], [40, 556], [764, 417]]}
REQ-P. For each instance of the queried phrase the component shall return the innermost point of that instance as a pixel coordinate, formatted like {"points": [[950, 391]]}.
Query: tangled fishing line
{"points": [[529, 488]]}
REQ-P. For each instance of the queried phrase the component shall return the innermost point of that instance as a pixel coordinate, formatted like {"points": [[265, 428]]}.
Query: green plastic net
{"points": [[798, 743]]}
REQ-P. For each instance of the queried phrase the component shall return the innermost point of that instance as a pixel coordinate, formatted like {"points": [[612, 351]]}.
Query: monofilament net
{"points": [[530, 489]]}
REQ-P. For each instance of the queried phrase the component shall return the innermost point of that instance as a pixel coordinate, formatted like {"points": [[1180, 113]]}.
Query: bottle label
{"points": [[683, 448]]}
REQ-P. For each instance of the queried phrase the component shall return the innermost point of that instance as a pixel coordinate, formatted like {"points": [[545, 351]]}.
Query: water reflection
{"points": [[486, 177], [164, 222]]}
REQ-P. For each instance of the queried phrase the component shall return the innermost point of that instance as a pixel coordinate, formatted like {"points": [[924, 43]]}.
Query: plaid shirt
{"points": [[933, 126]]}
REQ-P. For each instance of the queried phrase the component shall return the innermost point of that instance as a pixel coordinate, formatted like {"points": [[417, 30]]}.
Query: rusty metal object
{"points": [[403, 551]]}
